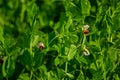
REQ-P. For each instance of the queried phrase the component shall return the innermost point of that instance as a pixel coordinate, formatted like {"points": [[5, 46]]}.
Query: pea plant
{"points": [[59, 40]]}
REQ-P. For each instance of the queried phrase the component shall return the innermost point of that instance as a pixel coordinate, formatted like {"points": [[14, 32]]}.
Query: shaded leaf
{"points": [[26, 59]]}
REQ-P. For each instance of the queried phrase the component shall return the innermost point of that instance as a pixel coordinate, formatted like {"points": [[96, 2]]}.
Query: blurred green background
{"points": [[23, 23]]}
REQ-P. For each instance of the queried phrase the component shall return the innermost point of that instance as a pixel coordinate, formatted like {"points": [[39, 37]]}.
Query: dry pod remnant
{"points": [[41, 45], [85, 29], [85, 51]]}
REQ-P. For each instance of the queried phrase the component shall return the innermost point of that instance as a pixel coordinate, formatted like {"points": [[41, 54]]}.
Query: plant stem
{"points": [[84, 39], [31, 73], [66, 66]]}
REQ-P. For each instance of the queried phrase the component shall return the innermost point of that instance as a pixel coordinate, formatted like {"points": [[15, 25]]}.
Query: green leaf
{"points": [[38, 58], [32, 10], [24, 76], [112, 54], [26, 59], [92, 66], [60, 60], [52, 75], [26, 40], [68, 24], [57, 61], [85, 7], [73, 38], [97, 75], [72, 52], [52, 39], [60, 73], [35, 41], [81, 59], [43, 72], [70, 75]]}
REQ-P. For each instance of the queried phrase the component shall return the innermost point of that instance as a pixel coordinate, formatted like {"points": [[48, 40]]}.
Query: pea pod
{"points": [[8, 66]]}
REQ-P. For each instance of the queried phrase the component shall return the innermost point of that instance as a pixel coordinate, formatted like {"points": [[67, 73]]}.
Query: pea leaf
{"points": [[85, 7], [52, 39], [24, 76], [70, 75], [38, 58], [72, 52], [26, 59]]}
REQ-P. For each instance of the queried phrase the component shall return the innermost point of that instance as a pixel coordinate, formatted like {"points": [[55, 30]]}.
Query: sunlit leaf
{"points": [[85, 7], [72, 52]]}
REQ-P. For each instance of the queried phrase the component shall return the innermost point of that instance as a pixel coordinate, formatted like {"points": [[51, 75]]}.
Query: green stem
{"points": [[66, 66], [82, 42], [31, 45], [53, 39], [84, 39], [31, 73]]}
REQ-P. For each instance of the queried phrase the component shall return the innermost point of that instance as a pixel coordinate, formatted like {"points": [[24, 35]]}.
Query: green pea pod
{"points": [[8, 67]]}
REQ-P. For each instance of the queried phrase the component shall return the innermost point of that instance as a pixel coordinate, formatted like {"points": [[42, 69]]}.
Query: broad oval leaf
{"points": [[72, 52]]}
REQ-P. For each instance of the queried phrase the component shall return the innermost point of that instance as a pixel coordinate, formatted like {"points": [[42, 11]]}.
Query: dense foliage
{"points": [[46, 40]]}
